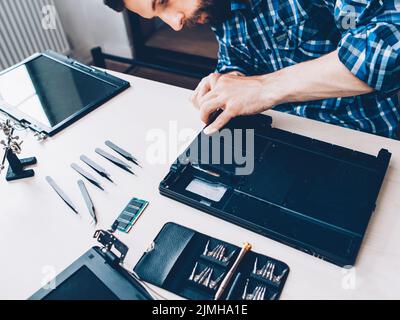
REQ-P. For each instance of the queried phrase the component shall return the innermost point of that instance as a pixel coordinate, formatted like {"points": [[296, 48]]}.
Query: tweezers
{"points": [[87, 176], [88, 200], [128, 156], [61, 194], [114, 160], [100, 170]]}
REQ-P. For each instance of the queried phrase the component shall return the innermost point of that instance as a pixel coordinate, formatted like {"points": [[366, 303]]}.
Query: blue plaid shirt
{"points": [[263, 36]]}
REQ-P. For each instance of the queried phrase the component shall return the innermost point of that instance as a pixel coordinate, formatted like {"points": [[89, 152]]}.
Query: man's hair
{"points": [[117, 5]]}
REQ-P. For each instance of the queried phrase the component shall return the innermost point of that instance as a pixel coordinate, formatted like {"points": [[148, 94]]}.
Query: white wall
{"points": [[89, 23]]}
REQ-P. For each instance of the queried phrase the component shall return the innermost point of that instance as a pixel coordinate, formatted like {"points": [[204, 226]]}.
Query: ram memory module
{"points": [[130, 215]]}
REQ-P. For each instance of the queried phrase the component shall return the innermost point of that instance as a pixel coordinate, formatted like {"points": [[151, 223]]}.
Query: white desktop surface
{"points": [[40, 234]]}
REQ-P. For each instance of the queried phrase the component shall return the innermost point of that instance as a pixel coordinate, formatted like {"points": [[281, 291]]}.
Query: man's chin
{"points": [[195, 24], [213, 13]]}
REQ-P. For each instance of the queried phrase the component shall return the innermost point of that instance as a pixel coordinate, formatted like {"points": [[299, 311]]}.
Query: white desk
{"points": [[38, 230]]}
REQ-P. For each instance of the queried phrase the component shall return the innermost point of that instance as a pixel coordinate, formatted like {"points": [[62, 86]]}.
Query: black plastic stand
{"points": [[16, 170]]}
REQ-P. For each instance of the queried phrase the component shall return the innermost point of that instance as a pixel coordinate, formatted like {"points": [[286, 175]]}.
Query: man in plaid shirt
{"points": [[336, 61]]}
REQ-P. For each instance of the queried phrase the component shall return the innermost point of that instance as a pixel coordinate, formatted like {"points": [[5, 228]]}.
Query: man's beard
{"points": [[217, 11]]}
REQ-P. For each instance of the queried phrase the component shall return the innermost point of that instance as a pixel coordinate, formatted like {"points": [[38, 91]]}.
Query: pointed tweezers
{"points": [[87, 176], [100, 170], [61, 194], [128, 156], [114, 160], [88, 200]]}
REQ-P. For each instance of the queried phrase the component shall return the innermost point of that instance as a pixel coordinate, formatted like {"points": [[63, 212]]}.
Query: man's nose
{"points": [[175, 20]]}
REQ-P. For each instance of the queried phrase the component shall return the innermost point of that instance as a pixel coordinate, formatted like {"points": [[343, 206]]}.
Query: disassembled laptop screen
{"points": [[47, 92]]}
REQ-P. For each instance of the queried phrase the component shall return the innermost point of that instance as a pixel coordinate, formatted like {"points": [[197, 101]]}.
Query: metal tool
{"points": [[229, 257], [205, 252], [202, 276], [100, 170], [255, 266], [244, 295], [128, 156], [257, 294], [221, 253], [277, 279], [205, 277], [191, 278], [207, 281], [236, 282], [218, 252], [87, 176], [114, 160], [264, 269], [214, 283], [88, 200], [215, 252], [271, 272], [61, 194], [267, 271]]}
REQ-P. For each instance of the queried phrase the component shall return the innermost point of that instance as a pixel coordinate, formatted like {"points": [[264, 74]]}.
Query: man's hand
{"points": [[204, 87], [234, 94], [321, 78]]}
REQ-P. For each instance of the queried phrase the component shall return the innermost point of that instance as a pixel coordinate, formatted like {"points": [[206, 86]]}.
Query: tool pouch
{"points": [[193, 265]]}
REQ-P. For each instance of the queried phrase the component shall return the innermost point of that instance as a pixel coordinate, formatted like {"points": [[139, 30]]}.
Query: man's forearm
{"points": [[318, 79], [322, 78]]}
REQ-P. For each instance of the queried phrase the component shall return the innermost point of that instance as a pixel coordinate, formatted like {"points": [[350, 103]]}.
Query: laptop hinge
{"points": [[114, 250]]}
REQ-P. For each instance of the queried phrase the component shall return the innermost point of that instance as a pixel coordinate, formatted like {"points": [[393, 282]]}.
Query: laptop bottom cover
{"points": [[308, 194]]}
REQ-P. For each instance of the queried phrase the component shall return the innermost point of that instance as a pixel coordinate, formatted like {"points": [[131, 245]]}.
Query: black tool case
{"points": [[179, 258], [308, 194]]}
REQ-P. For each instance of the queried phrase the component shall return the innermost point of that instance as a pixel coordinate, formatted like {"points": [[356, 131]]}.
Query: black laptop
{"points": [[308, 194]]}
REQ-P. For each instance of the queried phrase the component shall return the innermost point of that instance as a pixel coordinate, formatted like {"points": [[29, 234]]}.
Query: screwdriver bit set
{"points": [[198, 267], [263, 281]]}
